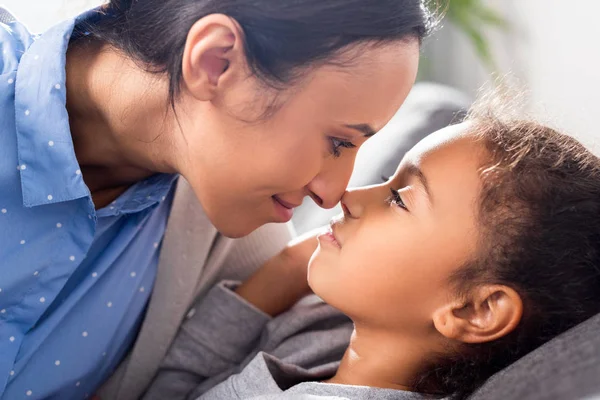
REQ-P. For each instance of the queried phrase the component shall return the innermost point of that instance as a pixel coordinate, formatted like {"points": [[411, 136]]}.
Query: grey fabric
{"points": [[217, 336], [428, 108], [566, 368], [193, 258], [230, 350], [260, 381]]}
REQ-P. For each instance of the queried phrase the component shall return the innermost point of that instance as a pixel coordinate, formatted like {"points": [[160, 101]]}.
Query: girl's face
{"points": [[388, 259], [248, 171]]}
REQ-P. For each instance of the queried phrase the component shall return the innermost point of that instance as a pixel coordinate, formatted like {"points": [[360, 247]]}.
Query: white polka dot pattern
{"points": [[60, 240]]}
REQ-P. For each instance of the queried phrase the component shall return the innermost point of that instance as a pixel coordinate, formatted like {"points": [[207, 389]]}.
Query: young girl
{"points": [[483, 246]]}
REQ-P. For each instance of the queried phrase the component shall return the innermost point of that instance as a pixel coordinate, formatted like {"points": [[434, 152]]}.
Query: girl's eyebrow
{"points": [[413, 170], [366, 129]]}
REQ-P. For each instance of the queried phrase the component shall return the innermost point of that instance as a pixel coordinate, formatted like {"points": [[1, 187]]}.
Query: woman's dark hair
{"points": [[281, 36], [539, 212]]}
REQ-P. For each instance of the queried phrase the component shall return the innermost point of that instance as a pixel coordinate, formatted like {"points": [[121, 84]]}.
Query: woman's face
{"points": [[247, 171], [389, 259]]}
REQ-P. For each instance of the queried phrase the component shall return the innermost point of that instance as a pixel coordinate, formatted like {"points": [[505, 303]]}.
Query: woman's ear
{"points": [[492, 312], [214, 47]]}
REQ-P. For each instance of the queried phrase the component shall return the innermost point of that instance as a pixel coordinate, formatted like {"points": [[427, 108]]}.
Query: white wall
{"points": [[553, 48], [39, 15]]}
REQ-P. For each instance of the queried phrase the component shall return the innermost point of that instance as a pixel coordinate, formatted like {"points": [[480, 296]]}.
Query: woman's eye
{"points": [[338, 144], [396, 199]]}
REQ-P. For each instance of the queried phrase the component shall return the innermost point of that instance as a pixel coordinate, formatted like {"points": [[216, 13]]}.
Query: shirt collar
{"points": [[144, 194], [49, 169]]}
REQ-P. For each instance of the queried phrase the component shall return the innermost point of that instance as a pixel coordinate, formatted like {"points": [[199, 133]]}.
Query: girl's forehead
{"points": [[435, 142]]}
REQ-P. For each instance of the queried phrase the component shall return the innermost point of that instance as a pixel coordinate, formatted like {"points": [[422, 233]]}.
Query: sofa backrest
{"points": [[566, 368]]}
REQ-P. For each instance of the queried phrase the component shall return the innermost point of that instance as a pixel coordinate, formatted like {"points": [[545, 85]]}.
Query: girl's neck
{"points": [[381, 359]]}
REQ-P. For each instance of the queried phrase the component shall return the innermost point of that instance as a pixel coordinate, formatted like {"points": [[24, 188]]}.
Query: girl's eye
{"points": [[396, 199], [338, 144]]}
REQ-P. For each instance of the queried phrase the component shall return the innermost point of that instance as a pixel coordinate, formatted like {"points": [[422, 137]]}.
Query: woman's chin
{"points": [[235, 231], [231, 225]]}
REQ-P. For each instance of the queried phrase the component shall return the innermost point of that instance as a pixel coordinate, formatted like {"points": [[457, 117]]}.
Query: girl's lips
{"points": [[329, 238]]}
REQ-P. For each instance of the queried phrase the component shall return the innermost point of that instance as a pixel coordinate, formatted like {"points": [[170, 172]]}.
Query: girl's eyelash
{"points": [[396, 199], [338, 144]]}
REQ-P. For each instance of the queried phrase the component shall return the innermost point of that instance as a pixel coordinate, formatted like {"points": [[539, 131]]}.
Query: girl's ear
{"points": [[492, 312]]}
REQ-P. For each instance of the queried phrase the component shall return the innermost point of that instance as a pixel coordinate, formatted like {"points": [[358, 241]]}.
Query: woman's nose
{"points": [[351, 203], [359, 201], [327, 188]]}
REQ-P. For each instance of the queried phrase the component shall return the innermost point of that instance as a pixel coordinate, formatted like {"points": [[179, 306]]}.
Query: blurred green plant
{"points": [[472, 17]]}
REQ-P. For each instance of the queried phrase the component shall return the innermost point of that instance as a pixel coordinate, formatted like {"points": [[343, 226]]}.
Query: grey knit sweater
{"points": [[227, 349]]}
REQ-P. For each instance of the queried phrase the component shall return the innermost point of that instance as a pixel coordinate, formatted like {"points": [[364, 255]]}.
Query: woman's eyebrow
{"points": [[366, 129], [413, 170]]}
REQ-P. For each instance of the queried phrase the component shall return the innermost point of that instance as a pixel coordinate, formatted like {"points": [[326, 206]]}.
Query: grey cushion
{"points": [[566, 368], [429, 107]]}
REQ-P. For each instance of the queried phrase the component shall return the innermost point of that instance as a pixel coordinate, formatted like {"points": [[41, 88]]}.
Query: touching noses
{"points": [[355, 202], [326, 189], [351, 204]]}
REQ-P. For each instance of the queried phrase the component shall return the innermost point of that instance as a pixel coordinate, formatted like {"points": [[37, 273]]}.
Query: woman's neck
{"points": [[119, 118], [381, 359]]}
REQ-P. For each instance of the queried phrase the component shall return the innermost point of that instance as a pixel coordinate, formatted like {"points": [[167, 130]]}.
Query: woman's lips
{"points": [[284, 203], [284, 210]]}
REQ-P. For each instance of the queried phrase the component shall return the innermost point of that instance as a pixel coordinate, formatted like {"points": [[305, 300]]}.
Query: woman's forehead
{"points": [[369, 90]]}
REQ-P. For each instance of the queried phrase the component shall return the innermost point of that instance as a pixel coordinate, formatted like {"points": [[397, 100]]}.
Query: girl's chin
{"points": [[319, 273], [319, 259]]}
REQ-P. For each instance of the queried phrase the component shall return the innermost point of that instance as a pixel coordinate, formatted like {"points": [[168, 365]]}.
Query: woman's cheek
{"points": [[298, 166]]}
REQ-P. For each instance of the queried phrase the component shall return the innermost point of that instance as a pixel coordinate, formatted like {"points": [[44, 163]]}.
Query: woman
{"points": [[256, 104]]}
